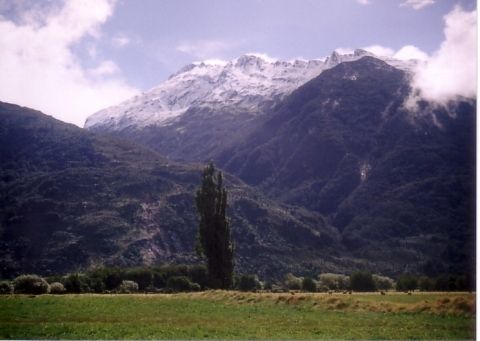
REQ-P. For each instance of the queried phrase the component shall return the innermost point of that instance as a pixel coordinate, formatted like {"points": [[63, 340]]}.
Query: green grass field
{"points": [[236, 315]]}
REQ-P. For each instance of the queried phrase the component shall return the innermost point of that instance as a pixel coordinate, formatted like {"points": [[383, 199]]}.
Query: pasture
{"points": [[239, 315]]}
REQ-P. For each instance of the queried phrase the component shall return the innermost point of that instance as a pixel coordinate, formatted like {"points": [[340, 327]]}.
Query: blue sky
{"points": [[70, 58], [164, 35]]}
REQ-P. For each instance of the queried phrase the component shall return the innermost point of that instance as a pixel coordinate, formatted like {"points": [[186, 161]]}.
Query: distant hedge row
{"points": [[364, 281], [171, 278], [187, 278]]}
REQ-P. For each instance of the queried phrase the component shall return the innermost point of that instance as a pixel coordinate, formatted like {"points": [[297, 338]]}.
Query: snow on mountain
{"points": [[242, 84]]}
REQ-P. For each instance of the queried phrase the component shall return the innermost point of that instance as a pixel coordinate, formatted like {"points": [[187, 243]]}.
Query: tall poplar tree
{"points": [[214, 240]]}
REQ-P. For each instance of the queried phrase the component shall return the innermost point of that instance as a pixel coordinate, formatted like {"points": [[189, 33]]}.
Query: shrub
{"points": [[163, 273], [127, 287], [383, 282], [362, 281], [30, 284], [426, 284], [247, 283], [452, 283], [6, 288], [407, 282], [102, 279], [198, 274], [181, 283], [97, 284], [292, 282], [57, 288], [77, 283], [461, 283], [195, 287], [322, 288], [334, 281], [159, 279], [268, 285], [309, 285], [142, 276]]}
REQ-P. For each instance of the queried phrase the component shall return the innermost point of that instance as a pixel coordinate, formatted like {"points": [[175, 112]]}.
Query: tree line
{"points": [[190, 278], [215, 246]]}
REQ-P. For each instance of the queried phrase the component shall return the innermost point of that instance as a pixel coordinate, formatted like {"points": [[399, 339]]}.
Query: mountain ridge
{"points": [[338, 142], [246, 83]]}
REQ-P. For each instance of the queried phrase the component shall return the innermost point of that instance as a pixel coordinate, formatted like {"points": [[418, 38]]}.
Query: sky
{"points": [[71, 58]]}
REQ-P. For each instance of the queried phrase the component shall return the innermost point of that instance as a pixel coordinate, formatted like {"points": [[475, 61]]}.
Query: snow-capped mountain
{"points": [[243, 84]]}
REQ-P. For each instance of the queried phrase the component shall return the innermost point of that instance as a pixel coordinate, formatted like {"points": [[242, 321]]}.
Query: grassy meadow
{"points": [[239, 315]]}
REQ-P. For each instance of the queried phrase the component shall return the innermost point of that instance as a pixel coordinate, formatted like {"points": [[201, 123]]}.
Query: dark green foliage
{"points": [[142, 276], [426, 284], [214, 240], [181, 283], [362, 281], [453, 283], [445, 283], [30, 284], [198, 274], [407, 282], [6, 288], [101, 279], [309, 285], [159, 279], [54, 278], [247, 283], [97, 285], [77, 283], [147, 279]]}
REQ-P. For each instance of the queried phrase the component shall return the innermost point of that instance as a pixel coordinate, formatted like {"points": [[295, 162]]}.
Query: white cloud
{"points": [[344, 50], [379, 50], [106, 67], [121, 40], [409, 52], [203, 49], [364, 2], [39, 69], [452, 70], [417, 4]]}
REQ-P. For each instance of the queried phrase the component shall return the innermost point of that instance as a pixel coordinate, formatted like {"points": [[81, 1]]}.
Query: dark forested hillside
{"points": [[340, 176], [71, 200], [398, 183]]}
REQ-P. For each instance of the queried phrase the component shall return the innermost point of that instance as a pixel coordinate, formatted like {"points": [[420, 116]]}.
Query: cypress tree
{"points": [[214, 240]]}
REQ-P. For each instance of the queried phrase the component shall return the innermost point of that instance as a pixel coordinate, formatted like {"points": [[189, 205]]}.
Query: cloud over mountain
{"points": [[38, 61], [451, 71]]}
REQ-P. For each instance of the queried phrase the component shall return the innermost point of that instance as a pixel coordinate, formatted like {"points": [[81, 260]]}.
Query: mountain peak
{"points": [[241, 85], [361, 53], [252, 60]]}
